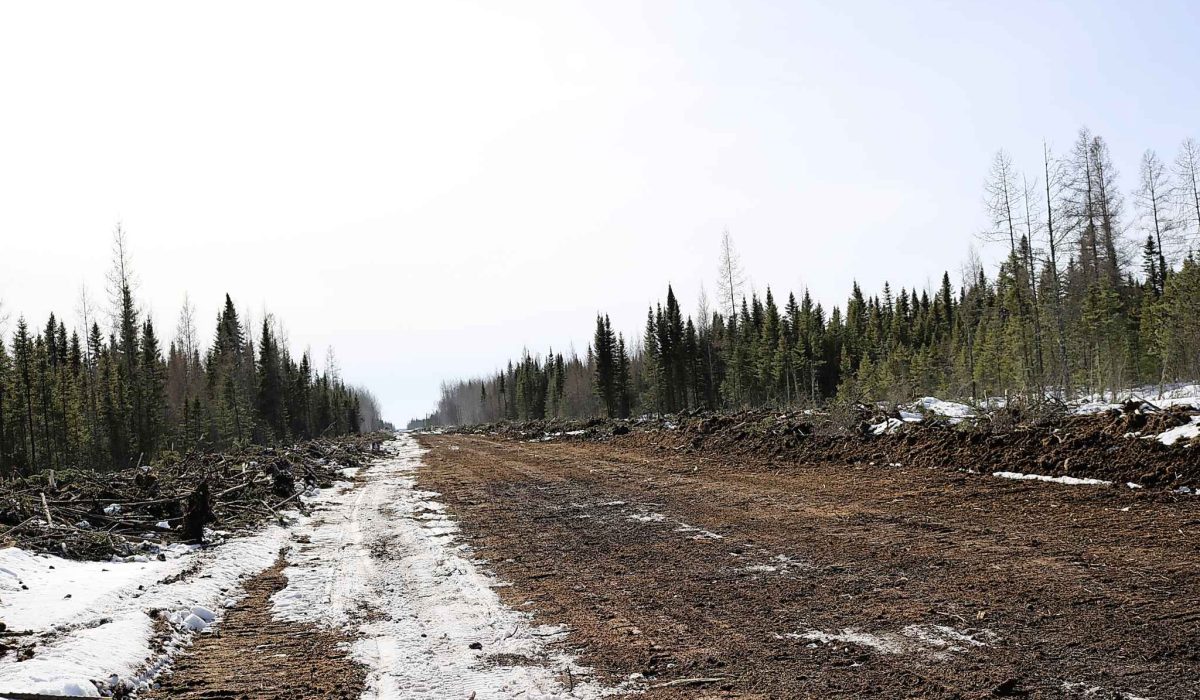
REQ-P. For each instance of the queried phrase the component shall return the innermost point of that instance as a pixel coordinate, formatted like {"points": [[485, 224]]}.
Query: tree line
{"points": [[1090, 297], [87, 398]]}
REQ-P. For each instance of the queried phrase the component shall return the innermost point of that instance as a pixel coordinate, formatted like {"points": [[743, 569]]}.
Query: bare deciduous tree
{"points": [[1108, 201], [332, 370], [1153, 202], [120, 277], [185, 330], [1000, 194], [1057, 234], [1029, 196], [1187, 180], [1080, 204], [999, 191], [730, 275]]}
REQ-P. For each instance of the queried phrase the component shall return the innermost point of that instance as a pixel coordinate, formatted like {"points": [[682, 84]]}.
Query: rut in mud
{"points": [[255, 655], [753, 578]]}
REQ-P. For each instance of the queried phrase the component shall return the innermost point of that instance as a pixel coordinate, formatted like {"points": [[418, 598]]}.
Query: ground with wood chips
{"points": [[753, 578]]}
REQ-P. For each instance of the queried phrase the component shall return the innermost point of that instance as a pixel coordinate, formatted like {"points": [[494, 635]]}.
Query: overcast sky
{"points": [[431, 186]]}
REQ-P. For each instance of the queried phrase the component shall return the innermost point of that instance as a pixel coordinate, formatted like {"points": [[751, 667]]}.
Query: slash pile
{"points": [[86, 514], [1119, 445]]}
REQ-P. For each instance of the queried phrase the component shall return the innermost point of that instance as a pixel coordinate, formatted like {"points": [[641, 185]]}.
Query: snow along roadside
{"points": [[94, 622], [383, 563], [114, 625]]}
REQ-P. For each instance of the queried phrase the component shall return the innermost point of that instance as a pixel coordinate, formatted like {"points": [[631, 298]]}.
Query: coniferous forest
{"points": [[112, 393], [1096, 292]]}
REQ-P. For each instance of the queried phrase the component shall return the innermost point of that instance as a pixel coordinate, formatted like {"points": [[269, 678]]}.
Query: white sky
{"points": [[431, 186]]}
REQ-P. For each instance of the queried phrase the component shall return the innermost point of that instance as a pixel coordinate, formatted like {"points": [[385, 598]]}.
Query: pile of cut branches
{"points": [[86, 514]]}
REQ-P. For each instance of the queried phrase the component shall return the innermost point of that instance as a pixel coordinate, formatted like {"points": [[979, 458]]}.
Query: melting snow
{"points": [[647, 517], [849, 636], [916, 411], [381, 560], [1177, 395], [1072, 480], [1094, 691], [934, 641], [956, 412], [759, 569], [384, 563], [92, 620], [698, 533], [1183, 432]]}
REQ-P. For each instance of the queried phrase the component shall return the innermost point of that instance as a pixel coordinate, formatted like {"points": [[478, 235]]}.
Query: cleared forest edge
{"points": [[740, 576]]}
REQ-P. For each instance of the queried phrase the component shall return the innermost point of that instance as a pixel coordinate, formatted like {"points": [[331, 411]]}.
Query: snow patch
{"points": [[1183, 432], [956, 412], [647, 517], [698, 533], [850, 636], [1175, 395], [1085, 690], [759, 569], [937, 642], [93, 623], [1072, 480]]}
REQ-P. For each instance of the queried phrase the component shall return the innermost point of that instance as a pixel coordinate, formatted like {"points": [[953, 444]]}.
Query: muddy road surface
{"points": [[703, 577]]}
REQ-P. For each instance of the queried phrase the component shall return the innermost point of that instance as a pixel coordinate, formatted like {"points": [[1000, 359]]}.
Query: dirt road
{"points": [[768, 580], [374, 595]]}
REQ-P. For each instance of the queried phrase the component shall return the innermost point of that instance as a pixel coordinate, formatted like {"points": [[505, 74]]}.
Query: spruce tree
{"points": [[622, 388], [270, 400], [603, 352]]}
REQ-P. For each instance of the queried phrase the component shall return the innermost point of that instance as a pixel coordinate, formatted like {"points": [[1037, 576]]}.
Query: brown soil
{"points": [[253, 655], [972, 586], [1099, 446]]}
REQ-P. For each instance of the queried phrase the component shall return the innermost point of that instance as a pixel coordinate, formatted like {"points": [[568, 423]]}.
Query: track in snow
{"points": [[382, 561]]}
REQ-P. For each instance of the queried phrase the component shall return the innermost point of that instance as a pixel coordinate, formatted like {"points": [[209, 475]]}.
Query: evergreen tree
{"points": [[604, 354], [270, 396]]}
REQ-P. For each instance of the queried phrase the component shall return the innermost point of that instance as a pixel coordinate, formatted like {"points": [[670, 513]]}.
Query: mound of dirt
{"points": [[1118, 446]]}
